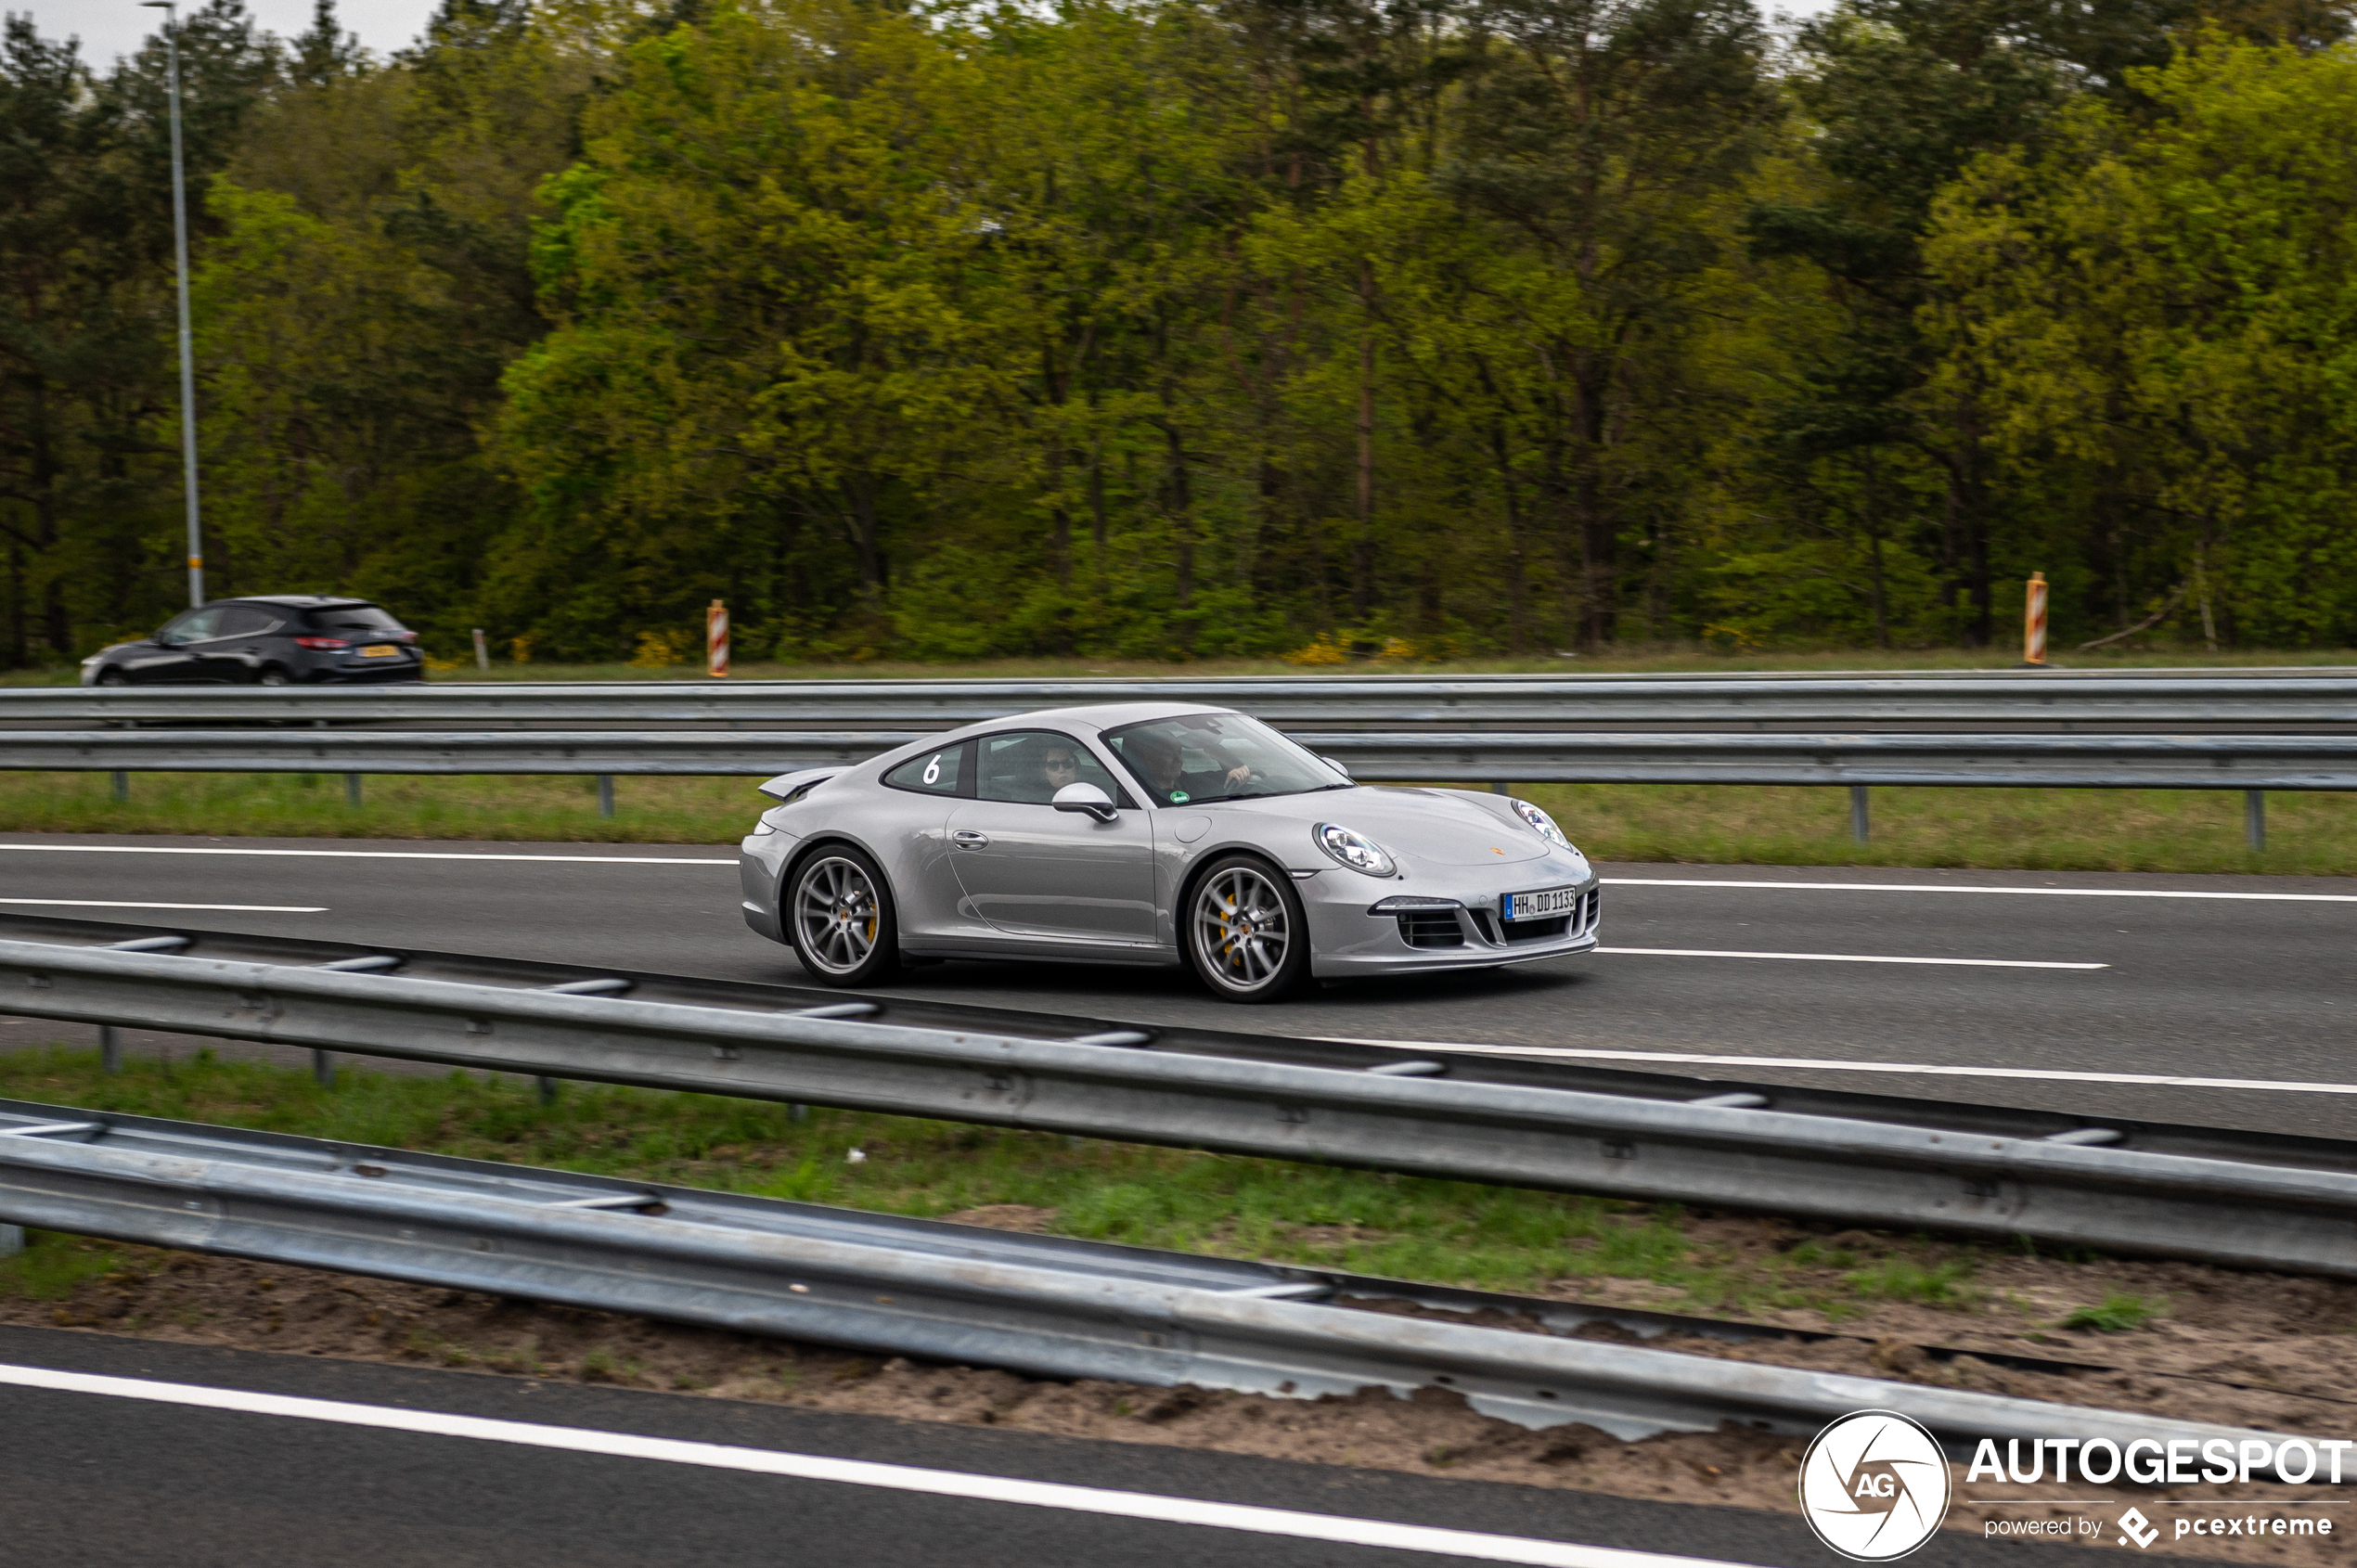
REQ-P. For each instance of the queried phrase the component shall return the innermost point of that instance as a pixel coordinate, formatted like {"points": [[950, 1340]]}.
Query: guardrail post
{"points": [[109, 1048], [1498, 788], [548, 1088], [2255, 818], [352, 788], [1860, 822], [122, 787], [605, 794], [11, 1240], [323, 1069]]}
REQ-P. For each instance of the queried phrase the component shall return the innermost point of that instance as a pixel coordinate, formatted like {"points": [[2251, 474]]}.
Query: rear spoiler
{"points": [[793, 786]]}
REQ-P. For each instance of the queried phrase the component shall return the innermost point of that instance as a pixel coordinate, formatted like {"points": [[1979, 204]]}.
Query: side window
{"points": [[935, 773], [194, 627], [1032, 764], [245, 620]]}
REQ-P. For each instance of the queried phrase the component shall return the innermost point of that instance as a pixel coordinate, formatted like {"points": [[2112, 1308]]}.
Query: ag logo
{"points": [[1874, 1485]]}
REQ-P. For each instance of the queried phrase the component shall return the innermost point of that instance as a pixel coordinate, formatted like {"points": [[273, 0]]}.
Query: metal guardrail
{"points": [[1724, 1151], [2290, 698], [2163, 761], [1039, 1305], [938, 1010]]}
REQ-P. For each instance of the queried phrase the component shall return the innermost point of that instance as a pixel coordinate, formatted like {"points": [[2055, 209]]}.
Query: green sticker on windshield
{"points": [[1178, 797]]}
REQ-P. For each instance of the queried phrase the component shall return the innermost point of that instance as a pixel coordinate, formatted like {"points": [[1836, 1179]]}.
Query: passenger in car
{"points": [[1059, 766]]}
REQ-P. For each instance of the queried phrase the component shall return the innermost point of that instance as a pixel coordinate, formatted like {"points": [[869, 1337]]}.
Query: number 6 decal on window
{"points": [[933, 769]]}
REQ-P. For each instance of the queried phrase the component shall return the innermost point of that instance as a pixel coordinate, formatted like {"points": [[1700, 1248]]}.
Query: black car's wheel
{"points": [[839, 914], [112, 676], [270, 674], [1244, 934]]}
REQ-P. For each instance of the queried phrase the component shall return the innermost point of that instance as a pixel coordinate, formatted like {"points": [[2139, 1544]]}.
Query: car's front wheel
{"points": [[1245, 936], [840, 917], [112, 676]]}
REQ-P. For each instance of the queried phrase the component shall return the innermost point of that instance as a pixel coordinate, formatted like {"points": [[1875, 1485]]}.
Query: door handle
{"points": [[966, 838]]}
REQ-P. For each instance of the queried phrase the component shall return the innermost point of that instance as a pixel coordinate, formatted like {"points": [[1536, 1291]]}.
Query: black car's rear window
{"points": [[354, 618]]}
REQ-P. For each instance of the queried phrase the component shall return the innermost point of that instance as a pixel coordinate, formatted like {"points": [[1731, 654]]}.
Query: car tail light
{"points": [[333, 643], [402, 636]]}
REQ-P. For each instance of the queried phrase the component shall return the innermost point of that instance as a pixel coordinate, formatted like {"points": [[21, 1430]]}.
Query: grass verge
{"points": [[2036, 829], [1440, 1231]]}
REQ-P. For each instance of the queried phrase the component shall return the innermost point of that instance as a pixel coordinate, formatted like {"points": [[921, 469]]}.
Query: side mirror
{"points": [[1086, 798], [1337, 767]]}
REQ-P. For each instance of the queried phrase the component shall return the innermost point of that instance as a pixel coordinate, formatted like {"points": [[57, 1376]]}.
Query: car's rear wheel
{"points": [[839, 914], [271, 674], [1245, 936]]}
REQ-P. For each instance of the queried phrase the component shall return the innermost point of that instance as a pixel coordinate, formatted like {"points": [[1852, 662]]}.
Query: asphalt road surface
{"points": [[93, 1477], [2239, 982]]}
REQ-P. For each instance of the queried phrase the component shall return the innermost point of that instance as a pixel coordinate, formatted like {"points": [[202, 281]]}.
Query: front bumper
{"points": [[1452, 926]]}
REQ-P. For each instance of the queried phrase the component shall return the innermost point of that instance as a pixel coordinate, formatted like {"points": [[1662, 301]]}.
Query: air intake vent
{"points": [[1432, 928]]}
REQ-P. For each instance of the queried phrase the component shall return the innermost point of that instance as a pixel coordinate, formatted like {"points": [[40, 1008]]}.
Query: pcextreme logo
{"points": [[1875, 1486]]}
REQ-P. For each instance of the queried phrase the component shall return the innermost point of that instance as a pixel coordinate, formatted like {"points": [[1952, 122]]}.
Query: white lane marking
{"points": [[863, 1473], [125, 903], [1963, 887], [363, 855], [1816, 1064], [1848, 958]]}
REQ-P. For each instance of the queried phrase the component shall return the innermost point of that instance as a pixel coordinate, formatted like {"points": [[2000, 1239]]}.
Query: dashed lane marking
{"points": [[126, 903], [1966, 887], [1846, 959], [363, 855]]}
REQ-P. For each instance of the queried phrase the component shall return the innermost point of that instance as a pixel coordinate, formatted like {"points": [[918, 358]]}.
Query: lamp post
{"points": [[180, 253]]}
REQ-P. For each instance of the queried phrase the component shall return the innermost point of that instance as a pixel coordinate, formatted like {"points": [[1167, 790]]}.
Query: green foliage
{"points": [[2157, 308], [2117, 1314], [1899, 1279], [1188, 330], [52, 1267]]}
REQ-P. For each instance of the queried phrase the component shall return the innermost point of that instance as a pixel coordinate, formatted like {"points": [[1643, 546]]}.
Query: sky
{"points": [[108, 28]]}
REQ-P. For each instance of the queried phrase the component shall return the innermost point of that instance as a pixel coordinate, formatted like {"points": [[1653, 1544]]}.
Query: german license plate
{"points": [[1544, 904], [379, 651]]}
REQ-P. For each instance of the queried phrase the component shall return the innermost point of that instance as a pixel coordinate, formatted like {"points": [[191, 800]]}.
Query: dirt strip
{"points": [[193, 1299]]}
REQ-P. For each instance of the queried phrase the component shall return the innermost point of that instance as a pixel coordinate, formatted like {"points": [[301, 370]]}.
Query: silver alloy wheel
{"points": [[1240, 931], [836, 914]]}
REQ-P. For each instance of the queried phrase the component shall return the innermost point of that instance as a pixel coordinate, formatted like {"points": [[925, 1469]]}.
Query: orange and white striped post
{"points": [[2033, 621], [715, 639]]}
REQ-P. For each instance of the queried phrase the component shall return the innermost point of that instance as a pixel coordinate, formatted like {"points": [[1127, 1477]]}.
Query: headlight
{"points": [[1541, 823], [1354, 850]]}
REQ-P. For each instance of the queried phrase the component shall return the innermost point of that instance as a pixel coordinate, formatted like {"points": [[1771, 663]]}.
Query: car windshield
{"points": [[1217, 757]]}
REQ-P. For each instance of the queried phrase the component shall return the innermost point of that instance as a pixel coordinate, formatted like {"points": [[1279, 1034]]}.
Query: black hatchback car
{"points": [[276, 639]]}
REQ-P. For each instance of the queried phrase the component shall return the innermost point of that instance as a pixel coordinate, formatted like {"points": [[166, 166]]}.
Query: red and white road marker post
{"points": [[715, 639], [2033, 621]]}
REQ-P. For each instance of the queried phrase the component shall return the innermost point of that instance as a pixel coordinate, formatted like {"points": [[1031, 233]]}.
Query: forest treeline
{"points": [[1170, 328]]}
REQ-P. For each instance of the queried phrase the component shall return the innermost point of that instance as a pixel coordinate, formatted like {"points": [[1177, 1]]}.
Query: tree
{"points": [[2156, 305]]}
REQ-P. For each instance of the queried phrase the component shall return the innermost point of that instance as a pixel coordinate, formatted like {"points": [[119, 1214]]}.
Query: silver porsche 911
{"points": [[1153, 833]]}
